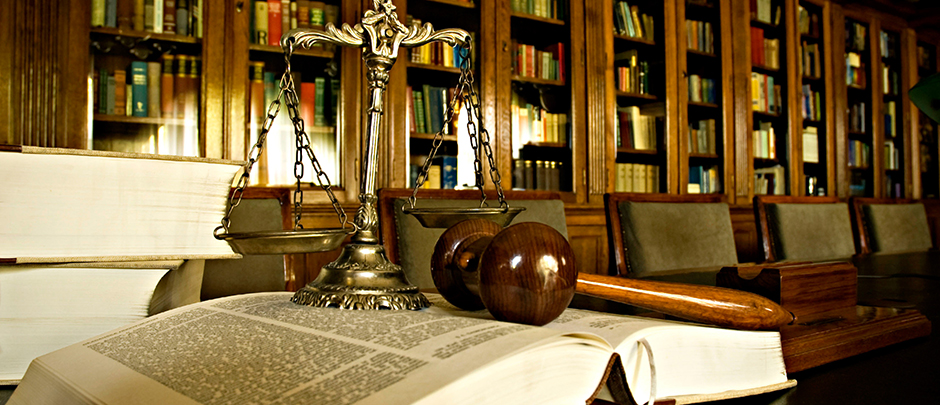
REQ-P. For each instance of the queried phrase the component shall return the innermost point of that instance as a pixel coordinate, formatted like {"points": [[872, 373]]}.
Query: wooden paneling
{"points": [[44, 73]]}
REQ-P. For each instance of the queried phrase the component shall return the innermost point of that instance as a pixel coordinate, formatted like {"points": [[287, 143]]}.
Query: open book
{"points": [[71, 205], [262, 348]]}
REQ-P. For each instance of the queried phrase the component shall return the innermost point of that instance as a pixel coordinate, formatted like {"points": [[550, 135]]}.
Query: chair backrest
{"points": [[662, 235], [411, 245], [887, 225], [804, 228], [261, 209]]}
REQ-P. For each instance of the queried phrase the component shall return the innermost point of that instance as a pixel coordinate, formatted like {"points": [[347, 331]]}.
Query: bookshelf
{"points": [[771, 33], [925, 130], [816, 174], [705, 97], [890, 106], [146, 73], [857, 98], [540, 96], [640, 84]]}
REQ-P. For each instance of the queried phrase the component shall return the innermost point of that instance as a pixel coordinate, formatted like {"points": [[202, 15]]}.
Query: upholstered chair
{"points": [[684, 238], [890, 226], [410, 245], [804, 228], [261, 209]]}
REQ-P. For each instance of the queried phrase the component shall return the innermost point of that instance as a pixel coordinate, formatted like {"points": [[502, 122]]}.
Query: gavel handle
{"points": [[711, 305]]}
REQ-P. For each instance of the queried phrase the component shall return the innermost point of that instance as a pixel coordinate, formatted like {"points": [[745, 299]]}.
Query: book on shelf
{"points": [[47, 307], [765, 141], [274, 22], [633, 77], [120, 92], [703, 180], [702, 137], [139, 83], [766, 96], [154, 95], [811, 103], [534, 124], [469, 358], [892, 156], [636, 178], [448, 172], [630, 22], [810, 145], [169, 16], [536, 175], [260, 25], [765, 52], [770, 180], [702, 90], [699, 36], [855, 74], [554, 9], [807, 22], [637, 129], [67, 205], [545, 64], [857, 117], [810, 60], [891, 120], [859, 154]]}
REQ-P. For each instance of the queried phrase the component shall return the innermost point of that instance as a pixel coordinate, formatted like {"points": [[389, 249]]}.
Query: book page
{"points": [[690, 359], [262, 348]]}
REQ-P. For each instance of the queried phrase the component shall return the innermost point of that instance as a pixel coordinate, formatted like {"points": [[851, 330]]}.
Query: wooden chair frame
{"points": [[388, 232], [619, 263], [763, 222], [860, 226]]}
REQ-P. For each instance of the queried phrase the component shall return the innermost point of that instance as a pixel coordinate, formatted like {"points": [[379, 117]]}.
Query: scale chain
{"points": [[287, 90], [467, 93]]}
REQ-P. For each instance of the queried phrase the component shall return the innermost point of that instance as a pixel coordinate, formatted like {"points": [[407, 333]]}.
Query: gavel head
{"points": [[524, 273]]}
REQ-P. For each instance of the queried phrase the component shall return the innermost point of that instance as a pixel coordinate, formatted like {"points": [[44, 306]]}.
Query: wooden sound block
{"points": [[801, 288], [825, 337], [829, 324]]}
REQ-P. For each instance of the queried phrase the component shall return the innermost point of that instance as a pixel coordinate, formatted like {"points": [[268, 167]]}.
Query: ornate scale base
{"points": [[362, 277]]}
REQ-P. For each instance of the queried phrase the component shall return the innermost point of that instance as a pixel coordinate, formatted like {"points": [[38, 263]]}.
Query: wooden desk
{"points": [[907, 372]]}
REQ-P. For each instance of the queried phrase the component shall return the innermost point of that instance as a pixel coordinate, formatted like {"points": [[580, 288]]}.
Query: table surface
{"points": [[907, 372]]}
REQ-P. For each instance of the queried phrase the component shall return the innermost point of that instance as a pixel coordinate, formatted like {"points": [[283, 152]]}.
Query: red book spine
{"points": [[169, 16], [167, 88], [274, 22]]}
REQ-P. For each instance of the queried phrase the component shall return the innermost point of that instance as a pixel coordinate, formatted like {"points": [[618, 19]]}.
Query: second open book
{"points": [[262, 348]]}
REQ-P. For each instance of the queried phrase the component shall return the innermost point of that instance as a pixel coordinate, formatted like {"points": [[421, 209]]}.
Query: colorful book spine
{"points": [[261, 22], [120, 92], [274, 22], [153, 89], [139, 96]]}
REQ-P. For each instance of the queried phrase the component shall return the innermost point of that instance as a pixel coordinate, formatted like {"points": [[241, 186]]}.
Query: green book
{"points": [[139, 97], [418, 97], [103, 91]]}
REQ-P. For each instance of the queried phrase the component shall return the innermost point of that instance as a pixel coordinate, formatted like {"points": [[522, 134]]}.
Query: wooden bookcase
{"points": [[814, 100], [642, 82], [561, 95], [892, 92], [855, 96], [705, 97], [924, 131]]}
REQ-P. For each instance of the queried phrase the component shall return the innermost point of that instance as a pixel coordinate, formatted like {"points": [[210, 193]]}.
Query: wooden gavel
{"points": [[526, 273]]}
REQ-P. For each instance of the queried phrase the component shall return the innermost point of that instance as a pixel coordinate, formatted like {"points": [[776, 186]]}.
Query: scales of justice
{"points": [[470, 266]]}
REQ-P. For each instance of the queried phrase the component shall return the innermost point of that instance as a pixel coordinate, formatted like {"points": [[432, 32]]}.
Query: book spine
{"points": [[110, 13], [148, 15], [196, 18], [261, 22], [274, 22], [157, 16], [167, 90], [449, 172], [140, 98], [169, 16], [139, 15], [181, 86], [182, 17], [319, 114], [192, 96], [120, 92], [153, 89], [125, 14], [98, 13]]}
